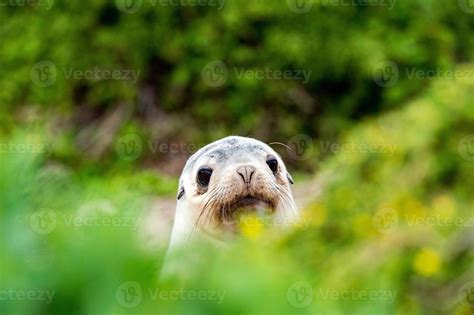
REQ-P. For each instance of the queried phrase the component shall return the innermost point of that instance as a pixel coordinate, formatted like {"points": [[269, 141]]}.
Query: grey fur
{"points": [[222, 150]]}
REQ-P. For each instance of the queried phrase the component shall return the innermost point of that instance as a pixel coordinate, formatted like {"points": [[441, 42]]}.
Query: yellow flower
{"points": [[444, 206], [251, 226], [427, 262], [362, 225], [414, 208]]}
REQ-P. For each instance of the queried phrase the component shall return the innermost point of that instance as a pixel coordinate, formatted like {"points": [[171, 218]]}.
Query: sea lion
{"points": [[228, 177]]}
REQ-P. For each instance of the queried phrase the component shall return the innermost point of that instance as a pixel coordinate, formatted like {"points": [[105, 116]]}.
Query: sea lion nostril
{"points": [[246, 172]]}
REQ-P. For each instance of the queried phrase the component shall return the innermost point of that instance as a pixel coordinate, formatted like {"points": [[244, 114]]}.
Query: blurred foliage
{"points": [[170, 45], [395, 221], [357, 239]]}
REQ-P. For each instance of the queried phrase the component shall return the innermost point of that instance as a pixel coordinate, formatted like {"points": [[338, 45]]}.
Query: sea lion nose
{"points": [[246, 173]]}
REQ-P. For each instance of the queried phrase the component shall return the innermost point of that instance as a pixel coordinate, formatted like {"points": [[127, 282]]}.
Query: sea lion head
{"points": [[231, 176]]}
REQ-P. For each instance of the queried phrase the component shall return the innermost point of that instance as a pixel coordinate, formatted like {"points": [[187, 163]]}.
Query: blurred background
{"points": [[369, 102]]}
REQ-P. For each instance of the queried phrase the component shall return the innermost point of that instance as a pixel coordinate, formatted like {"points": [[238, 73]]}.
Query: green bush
{"points": [[340, 46], [357, 250]]}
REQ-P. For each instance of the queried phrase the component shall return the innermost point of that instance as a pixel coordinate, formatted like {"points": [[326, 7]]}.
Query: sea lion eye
{"points": [[204, 176], [272, 163]]}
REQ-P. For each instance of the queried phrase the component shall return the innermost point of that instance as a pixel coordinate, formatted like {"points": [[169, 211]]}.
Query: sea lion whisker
{"points": [[282, 144]]}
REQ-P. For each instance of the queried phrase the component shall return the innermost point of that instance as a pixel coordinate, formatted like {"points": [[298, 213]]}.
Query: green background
{"points": [[377, 223]]}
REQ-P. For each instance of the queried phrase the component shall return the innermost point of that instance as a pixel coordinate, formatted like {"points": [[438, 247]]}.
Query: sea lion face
{"points": [[232, 176]]}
